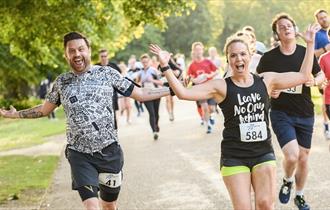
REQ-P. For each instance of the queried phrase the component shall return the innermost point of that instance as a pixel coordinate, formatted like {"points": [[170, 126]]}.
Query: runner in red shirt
{"points": [[200, 71]]}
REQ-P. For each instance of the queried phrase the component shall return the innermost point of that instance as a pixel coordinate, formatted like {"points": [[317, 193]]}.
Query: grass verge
{"points": [[20, 174], [20, 133]]}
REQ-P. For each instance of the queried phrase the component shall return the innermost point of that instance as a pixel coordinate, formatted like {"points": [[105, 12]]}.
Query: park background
{"points": [[31, 50]]}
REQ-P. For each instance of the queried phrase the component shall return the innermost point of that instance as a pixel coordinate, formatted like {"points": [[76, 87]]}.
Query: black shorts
{"points": [[210, 102], [248, 162], [288, 128], [86, 168]]}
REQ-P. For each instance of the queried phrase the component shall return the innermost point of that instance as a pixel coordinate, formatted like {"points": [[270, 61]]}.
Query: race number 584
{"points": [[253, 131]]}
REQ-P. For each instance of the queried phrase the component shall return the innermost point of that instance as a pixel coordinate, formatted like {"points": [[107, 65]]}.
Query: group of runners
{"points": [[284, 74]]}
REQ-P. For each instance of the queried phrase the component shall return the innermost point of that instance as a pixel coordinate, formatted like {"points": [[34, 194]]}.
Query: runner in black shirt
{"points": [[292, 113]]}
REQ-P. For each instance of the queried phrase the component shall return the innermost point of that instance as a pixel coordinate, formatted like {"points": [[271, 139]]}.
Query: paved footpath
{"points": [[180, 171]]}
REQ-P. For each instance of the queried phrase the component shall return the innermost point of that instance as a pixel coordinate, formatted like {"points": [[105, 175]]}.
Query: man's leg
{"points": [[283, 126], [302, 169], [89, 197], [304, 131], [205, 108], [291, 156], [109, 197]]}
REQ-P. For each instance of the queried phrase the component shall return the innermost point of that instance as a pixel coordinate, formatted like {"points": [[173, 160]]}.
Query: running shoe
{"points": [[209, 129], [212, 121], [284, 194], [327, 135], [155, 136], [300, 202]]}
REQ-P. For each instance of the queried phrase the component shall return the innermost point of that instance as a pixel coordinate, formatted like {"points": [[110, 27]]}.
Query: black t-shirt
{"points": [[300, 103], [245, 109]]}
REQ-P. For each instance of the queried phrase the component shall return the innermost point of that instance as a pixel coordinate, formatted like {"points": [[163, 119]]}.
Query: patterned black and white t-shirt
{"points": [[87, 102]]}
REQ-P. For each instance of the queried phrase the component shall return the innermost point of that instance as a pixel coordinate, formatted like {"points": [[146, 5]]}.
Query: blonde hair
{"points": [[196, 44], [144, 56], [234, 39]]}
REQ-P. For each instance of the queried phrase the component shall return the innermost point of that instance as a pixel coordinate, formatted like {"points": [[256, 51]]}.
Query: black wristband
{"points": [[171, 90], [325, 50], [163, 69]]}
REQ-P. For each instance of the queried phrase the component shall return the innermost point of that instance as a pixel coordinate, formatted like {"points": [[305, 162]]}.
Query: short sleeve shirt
{"points": [[300, 105], [204, 67], [87, 103], [321, 39], [145, 75], [325, 66]]}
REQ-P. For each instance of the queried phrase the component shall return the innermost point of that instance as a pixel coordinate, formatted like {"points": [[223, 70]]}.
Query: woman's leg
{"points": [[151, 111], [264, 185], [156, 111], [239, 189]]}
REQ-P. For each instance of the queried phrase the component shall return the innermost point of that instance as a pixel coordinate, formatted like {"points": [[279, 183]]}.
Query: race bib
{"points": [[293, 90], [254, 131], [110, 180]]}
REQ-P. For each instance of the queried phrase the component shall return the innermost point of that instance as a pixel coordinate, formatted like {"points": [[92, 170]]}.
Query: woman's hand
{"points": [[163, 56]]}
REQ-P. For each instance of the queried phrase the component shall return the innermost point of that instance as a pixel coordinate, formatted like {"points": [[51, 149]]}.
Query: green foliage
{"points": [[19, 173], [259, 14], [32, 31], [317, 100], [139, 46], [198, 25], [20, 104]]}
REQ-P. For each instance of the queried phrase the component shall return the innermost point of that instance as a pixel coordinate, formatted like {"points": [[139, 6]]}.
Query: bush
{"points": [[20, 104]]}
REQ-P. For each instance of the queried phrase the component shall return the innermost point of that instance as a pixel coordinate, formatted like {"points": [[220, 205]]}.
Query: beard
{"points": [[79, 64], [325, 25]]}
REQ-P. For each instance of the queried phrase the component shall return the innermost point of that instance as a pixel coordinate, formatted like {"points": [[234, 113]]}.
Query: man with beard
{"points": [[93, 151], [322, 43]]}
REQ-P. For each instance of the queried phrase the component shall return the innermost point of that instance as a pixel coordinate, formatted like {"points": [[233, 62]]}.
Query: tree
{"points": [[139, 46], [198, 25], [33, 30]]}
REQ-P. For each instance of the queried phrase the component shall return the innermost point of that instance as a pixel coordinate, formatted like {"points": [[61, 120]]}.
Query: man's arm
{"points": [[145, 94], [320, 51], [319, 79], [35, 112]]}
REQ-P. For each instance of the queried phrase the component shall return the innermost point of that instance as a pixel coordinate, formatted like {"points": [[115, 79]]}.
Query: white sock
{"points": [[300, 192], [290, 179]]}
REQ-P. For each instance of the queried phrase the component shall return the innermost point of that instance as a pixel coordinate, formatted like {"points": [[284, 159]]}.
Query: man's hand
{"points": [[275, 93], [186, 81], [310, 82], [163, 56], [309, 35], [11, 113], [327, 47]]}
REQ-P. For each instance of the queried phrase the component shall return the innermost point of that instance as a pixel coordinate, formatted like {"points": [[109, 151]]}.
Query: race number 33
{"points": [[294, 90], [254, 131]]}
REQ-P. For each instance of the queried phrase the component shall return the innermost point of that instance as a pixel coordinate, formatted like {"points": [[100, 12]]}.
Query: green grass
{"points": [[20, 133], [19, 174]]}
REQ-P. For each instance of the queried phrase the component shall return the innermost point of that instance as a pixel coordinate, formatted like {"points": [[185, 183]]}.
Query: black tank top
{"points": [[245, 109]]}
